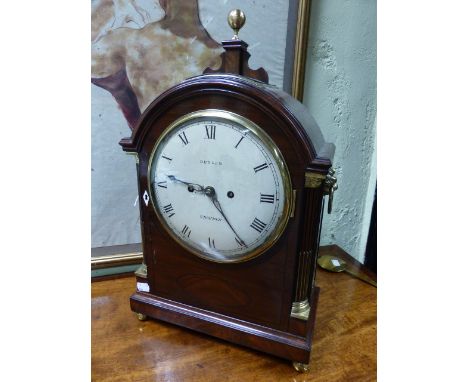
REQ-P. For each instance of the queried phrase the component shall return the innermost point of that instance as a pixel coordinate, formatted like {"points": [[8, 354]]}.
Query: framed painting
{"points": [[139, 48]]}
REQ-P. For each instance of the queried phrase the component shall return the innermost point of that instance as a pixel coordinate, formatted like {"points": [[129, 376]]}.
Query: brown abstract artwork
{"points": [[141, 48]]}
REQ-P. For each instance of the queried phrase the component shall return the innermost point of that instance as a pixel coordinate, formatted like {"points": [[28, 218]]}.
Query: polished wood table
{"points": [[126, 349]]}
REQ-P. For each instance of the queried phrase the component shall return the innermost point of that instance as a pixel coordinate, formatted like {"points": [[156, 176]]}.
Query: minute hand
{"points": [[211, 193]]}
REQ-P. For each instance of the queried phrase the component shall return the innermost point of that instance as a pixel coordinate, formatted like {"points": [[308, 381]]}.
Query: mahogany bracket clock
{"points": [[232, 174]]}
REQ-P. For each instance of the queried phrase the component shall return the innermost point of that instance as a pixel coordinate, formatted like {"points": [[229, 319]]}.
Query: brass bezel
{"points": [[274, 152]]}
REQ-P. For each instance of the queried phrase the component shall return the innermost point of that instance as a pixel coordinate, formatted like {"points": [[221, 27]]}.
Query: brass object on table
{"points": [[335, 264], [141, 316]]}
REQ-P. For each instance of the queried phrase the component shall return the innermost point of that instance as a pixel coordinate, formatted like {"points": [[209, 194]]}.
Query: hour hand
{"points": [[191, 186]]}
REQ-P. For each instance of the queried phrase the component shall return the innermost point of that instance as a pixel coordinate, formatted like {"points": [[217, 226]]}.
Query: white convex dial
{"points": [[219, 185]]}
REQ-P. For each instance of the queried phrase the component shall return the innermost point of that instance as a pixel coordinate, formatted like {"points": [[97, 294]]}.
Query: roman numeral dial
{"points": [[210, 131], [258, 225], [169, 210], [211, 243], [267, 198], [238, 143], [186, 231], [183, 138], [260, 167], [218, 186]]}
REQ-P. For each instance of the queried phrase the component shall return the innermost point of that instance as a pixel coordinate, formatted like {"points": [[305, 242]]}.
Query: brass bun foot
{"points": [[141, 317], [301, 367]]}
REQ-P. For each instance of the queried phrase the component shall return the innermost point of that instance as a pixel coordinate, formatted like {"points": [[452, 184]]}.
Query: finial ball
{"points": [[236, 20]]}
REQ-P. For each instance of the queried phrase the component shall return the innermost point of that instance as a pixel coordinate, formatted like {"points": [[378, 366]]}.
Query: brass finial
{"points": [[236, 20]]}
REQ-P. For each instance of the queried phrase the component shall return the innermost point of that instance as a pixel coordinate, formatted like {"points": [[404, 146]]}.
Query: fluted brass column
{"points": [[309, 245]]}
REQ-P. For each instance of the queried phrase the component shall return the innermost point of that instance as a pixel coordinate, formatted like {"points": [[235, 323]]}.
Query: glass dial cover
{"points": [[220, 186]]}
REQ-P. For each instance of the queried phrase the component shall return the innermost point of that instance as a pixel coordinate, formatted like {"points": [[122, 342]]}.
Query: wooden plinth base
{"points": [[271, 341]]}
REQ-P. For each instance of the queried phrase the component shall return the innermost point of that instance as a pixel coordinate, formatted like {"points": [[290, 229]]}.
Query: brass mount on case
{"points": [[301, 310], [313, 180], [330, 186], [142, 271], [329, 182]]}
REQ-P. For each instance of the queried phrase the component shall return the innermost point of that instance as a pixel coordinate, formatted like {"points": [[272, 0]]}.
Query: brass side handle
{"points": [[330, 186]]}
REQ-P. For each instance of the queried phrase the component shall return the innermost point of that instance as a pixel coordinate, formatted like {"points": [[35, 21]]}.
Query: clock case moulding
{"points": [[267, 303]]}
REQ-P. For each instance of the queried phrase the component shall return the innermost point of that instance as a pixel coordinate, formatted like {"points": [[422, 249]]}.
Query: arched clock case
{"points": [[261, 297]]}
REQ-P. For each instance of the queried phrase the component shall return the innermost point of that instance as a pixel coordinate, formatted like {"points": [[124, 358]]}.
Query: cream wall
{"points": [[340, 92]]}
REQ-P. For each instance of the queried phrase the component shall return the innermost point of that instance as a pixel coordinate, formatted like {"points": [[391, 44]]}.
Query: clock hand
{"points": [[211, 193], [194, 186]]}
